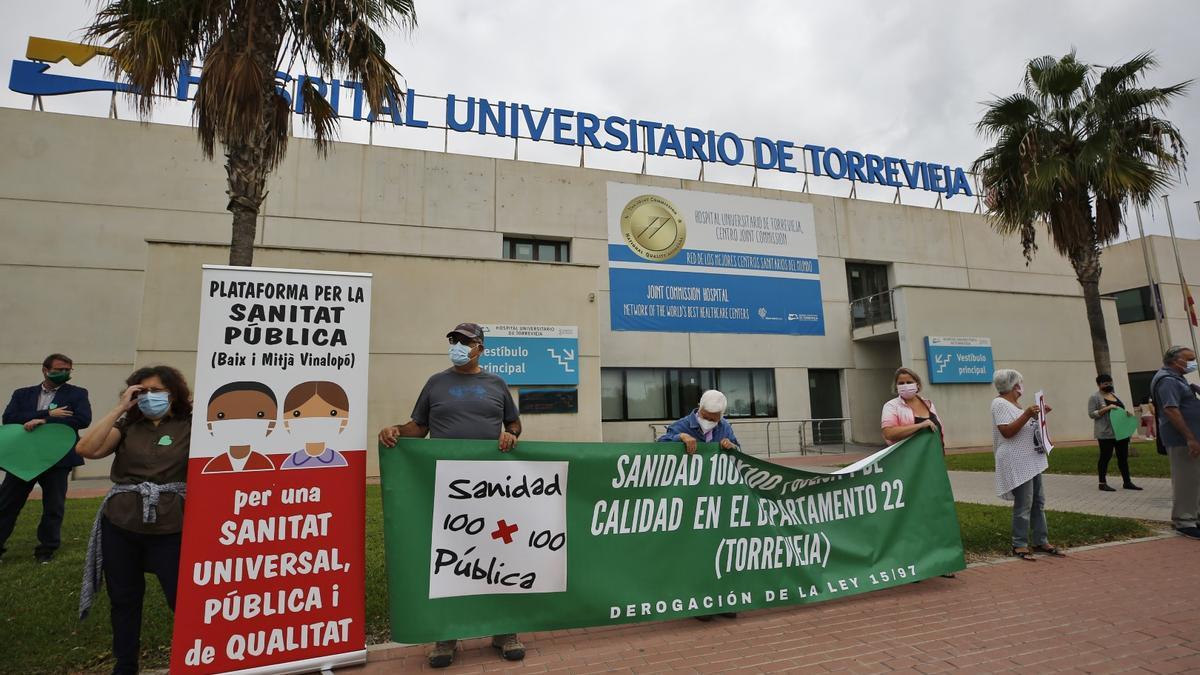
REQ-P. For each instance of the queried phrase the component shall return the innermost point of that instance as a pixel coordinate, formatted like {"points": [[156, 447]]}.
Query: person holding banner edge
{"points": [[54, 401], [1020, 461], [706, 422], [464, 402], [1100, 404], [1179, 433], [139, 526], [909, 412]]}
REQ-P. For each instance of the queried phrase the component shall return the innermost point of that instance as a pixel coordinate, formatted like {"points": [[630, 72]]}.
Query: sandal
{"points": [[1024, 554], [1050, 550]]}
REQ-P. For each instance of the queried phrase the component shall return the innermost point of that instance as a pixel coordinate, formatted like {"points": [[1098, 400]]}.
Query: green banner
{"points": [[563, 535]]}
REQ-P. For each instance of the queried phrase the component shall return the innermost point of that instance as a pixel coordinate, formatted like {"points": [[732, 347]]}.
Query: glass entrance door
{"points": [[825, 397]]}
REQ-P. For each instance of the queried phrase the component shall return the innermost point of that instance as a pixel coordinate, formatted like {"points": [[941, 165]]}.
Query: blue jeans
{"points": [[1029, 502]]}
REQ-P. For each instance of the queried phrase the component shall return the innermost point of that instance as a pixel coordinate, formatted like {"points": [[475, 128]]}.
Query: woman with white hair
{"points": [[1020, 461], [706, 423]]}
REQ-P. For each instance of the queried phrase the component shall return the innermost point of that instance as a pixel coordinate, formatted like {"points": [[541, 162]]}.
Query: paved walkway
{"points": [[1075, 493], [1116, 608]]}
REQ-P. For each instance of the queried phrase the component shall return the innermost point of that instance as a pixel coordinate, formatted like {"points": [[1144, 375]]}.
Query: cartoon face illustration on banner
{"points": [[240, 416], [315, 414]]}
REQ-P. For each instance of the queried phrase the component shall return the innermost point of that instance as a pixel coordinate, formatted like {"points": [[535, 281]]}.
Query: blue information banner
{"points": [[955, 360], [686, 261], [697, 302], [532, 354]]}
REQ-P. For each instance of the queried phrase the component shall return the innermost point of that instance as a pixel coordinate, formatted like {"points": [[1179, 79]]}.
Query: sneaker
{"points": [[1105, 488], [442, 654], [1131, 486], [1189, 532], [43, 558], [510, 647]]}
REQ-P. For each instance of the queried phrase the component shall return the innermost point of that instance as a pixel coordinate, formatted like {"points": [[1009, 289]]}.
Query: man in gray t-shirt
{"points": [[465, 402], [454, 404], [1179, 430]]}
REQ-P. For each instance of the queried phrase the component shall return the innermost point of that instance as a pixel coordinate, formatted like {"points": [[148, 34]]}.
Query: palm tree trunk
{"points": [[247, 182], [251, 158], [1087, 271]]}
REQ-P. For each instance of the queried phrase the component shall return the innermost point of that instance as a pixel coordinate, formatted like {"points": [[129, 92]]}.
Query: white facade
{"points": [[82, 197]]}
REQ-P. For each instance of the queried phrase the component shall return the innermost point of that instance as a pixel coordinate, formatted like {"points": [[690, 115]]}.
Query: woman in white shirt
{"points": [[1020, 461]]}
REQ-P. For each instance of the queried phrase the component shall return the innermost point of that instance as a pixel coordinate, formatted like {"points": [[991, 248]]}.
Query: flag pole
{"points": [[1155, 298], [1187, 306]]}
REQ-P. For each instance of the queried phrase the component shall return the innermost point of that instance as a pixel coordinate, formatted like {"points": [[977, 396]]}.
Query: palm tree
{"points": [[1070, 150], [242, 43]]}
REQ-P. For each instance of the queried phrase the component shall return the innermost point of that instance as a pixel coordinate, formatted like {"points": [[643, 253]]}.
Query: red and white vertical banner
{"points": [[272, 573]]}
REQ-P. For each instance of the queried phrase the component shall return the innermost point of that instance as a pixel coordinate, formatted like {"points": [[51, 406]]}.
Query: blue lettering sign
{"points": [[955, 360], [564, 127]]}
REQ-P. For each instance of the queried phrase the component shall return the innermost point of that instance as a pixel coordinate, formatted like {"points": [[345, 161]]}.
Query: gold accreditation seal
{"points": [[652, 227]]}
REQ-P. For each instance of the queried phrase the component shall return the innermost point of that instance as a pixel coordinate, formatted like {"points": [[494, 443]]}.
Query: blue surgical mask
{"points": [[154, 404], [460, 355], [1190, 366]]}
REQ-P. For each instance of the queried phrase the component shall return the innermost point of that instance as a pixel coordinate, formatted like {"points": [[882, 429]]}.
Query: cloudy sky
{"points": [[903, 79]]}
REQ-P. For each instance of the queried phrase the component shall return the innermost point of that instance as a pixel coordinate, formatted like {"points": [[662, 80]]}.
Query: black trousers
{"points": [[13, 494], [1107, 445], [128, 556]]}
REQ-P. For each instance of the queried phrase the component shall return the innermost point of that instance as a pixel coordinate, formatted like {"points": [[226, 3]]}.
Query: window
{"points": [[1139, 387], [1134, 305], [548, 401], [870, 302], [630, 394], [537, 249], [612, 394]]}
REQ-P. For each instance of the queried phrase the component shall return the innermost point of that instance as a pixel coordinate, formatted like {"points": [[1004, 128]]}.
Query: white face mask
{"points": [[314, 429], [706, 425], [1190, 366], [240, 432], [907, 391]]}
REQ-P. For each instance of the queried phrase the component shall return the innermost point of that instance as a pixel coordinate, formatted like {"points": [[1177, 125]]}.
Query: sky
{"points": [[903, 79]]}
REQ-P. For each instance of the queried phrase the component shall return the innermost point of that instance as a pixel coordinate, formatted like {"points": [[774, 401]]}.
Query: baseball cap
{"points": [[469, 330]]}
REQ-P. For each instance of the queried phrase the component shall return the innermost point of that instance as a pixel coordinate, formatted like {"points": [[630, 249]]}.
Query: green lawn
{"points": [[38, 603], [1080, 461]]}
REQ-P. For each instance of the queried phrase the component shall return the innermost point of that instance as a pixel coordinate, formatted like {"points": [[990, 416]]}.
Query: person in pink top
{"points": [[909, 412]]}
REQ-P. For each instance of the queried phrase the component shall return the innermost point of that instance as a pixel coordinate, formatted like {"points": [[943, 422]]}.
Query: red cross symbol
{"points": [[504, 531]]}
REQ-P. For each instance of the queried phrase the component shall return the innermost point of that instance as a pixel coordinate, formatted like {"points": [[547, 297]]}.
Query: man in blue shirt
{"points": [[1179, 429], [705, 424], [51, 402]]}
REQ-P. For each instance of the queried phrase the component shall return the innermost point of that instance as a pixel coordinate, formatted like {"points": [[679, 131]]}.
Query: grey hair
{"points": [[713, 401], [1004, 380], [1173, 353]]}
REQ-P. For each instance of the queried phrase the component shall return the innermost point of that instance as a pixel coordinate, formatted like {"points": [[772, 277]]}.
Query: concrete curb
{"points": [[1080, 549]]}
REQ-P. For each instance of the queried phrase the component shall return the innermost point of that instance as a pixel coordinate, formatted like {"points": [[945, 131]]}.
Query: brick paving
{"points": [[1115, 608]]}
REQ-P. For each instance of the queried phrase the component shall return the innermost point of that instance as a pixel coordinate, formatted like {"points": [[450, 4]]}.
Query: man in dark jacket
{"points": [[51, 402]]}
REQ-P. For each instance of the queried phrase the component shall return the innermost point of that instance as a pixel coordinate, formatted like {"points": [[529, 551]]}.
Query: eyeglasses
{"points": [[460, 340]]}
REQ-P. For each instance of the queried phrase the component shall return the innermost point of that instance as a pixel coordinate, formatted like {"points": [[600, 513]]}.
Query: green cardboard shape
{"points": [[27, 454], [1123, 423]]}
